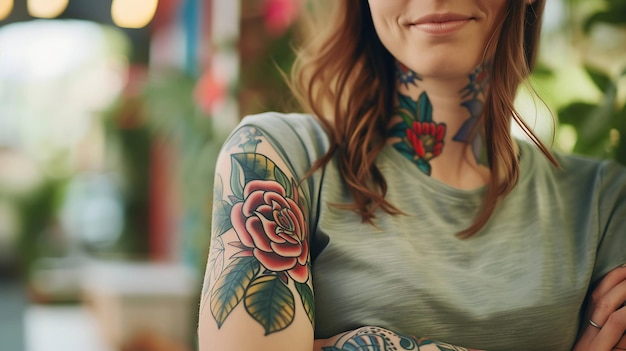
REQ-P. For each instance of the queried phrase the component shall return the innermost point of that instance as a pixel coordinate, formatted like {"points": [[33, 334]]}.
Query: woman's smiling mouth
{"points": [[441, 24]]}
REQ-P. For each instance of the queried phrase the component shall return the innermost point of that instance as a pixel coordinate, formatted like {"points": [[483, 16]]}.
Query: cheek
{"points": [[386, 13], [497, 12], [386, 18]]}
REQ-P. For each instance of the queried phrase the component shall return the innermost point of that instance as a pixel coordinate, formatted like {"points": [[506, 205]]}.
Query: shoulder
{"points": [[604, 173], [284, 122], [297, 137], [573, 167], [586, 184]]}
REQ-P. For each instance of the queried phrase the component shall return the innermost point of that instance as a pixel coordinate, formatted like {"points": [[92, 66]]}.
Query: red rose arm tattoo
{"points": [[259, 260]]}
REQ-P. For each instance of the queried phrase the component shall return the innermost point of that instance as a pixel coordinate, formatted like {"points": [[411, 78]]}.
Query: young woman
{"points": [[404, 216]]}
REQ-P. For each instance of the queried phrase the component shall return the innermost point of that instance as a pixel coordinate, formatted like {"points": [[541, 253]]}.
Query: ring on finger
{"points": [[594, 324]]}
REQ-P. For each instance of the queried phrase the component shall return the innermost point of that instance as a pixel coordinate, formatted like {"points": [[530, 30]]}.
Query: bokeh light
{"points": [[46, 8], [6, 6], [133, 13]]}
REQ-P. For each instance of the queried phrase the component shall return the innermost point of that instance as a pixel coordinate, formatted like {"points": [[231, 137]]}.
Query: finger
{"points": [[609, 303], [589, 333], [608, 282], [612, 331], [621, 345]]}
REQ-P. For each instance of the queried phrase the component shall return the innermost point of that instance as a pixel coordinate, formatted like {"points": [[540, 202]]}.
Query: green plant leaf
{"points": [[270, 302], [308, 300], [543, 71], [614, 16], [576, 113], [236, 182], [620, 149], [221, 217], [601, 80], [231, 286], [255, 166]]}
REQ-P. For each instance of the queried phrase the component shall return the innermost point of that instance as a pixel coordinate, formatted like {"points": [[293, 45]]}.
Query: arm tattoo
{"points": [[379, 339], [266, 213]]}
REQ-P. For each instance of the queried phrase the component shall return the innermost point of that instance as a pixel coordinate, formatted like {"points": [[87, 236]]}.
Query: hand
{"points": [[605, 321]]}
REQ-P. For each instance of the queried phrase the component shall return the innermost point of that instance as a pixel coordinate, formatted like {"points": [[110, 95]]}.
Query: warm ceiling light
{"points": [[6, 6], [46, 8], [133, 13]]}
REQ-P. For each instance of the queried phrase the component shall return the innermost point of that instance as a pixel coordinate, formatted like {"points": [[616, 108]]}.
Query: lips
{"points": [[442, 18], [441, 23]]}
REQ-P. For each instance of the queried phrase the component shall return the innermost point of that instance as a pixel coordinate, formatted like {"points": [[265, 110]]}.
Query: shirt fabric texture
{"points": [[519, 284]]}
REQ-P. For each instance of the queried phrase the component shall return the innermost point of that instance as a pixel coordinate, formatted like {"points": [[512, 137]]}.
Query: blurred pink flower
{"points": [[209, 91], [280, 15]]}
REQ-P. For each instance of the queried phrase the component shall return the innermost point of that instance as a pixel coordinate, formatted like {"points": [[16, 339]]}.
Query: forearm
{"points": [[376, 338]]}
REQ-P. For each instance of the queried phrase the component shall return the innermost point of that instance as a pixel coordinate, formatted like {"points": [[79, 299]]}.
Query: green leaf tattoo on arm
{"points": [[270, 302], [231, 287]]}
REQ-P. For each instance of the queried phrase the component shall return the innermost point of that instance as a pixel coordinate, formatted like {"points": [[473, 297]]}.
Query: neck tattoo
{"points": [[473, 96], [420, 139]]}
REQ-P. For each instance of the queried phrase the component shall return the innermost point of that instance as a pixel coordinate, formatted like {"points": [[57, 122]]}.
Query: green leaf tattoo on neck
{"points": [[421, 138]]}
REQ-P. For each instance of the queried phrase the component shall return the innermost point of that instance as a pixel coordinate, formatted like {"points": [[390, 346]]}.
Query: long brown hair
{"points": [[346, 78]]}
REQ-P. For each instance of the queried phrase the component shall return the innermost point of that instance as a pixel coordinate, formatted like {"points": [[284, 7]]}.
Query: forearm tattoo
{"points": [[380, 339]]}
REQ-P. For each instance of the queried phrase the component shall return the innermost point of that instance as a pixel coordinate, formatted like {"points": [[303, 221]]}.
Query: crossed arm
{"points": [[604, 322], [258, 294]]}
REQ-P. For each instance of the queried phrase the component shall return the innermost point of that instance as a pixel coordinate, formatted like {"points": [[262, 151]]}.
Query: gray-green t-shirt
{"points": [[517, 285]]}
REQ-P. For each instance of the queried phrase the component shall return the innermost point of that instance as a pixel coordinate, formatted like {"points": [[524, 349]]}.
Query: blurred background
{"points": [[111, 116]]}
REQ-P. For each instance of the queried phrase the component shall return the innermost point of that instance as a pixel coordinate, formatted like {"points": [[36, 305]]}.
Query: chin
{"points": [[443, 60], [447, 68]]}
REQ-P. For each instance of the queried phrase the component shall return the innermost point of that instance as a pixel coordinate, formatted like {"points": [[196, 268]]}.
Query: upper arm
{"points": [[257, 293]]}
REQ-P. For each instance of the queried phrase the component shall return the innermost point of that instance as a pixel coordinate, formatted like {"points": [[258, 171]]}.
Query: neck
{"points": [[437, 124]]}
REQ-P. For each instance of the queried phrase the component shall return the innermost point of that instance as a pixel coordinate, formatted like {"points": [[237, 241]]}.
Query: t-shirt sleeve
{"points": [[612, 210]]}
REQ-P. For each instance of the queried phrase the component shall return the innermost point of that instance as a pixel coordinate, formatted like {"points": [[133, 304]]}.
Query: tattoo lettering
{"points": [[374, 338], [406, 76], [473, 96], [421, 139], [266, 214]]}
